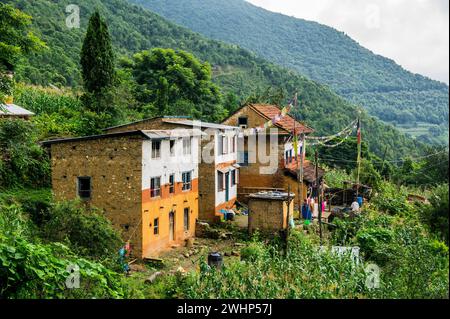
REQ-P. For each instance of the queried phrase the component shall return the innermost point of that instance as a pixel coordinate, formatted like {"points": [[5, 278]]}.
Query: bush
{"points": [[22, 162], [392, 200], [436, 214], [88, 233], [30, 269], [35, 203]]}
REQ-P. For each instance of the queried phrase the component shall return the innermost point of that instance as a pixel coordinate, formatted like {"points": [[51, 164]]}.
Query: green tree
{"points": [[15, 40], [177, 83], [97, 57], [99, 77]]}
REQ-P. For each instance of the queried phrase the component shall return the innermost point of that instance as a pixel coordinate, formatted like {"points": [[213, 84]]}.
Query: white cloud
{"points": [[414, 33]]}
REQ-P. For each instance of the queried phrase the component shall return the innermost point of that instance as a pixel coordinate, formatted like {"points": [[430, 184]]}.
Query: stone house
{"points": [[218, 169], [252, 175], [144, 181]]}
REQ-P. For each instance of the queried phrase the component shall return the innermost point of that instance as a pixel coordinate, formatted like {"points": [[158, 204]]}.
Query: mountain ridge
{"points": [[320, 52], [239, 72]]}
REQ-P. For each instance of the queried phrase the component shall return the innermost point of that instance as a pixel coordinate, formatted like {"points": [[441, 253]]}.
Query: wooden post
{"points": [[300, 177], [288, 217], [318, 192]]}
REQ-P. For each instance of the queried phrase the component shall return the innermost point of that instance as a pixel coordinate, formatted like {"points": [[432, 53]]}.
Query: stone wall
{"points": [[268, 216], [114, 164]]}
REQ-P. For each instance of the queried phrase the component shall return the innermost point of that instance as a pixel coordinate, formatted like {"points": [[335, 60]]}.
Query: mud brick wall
{"points": [[268, 216], [115, 168]]}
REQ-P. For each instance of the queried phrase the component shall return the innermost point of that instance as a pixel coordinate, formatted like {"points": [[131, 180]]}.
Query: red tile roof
{"points": [[286, 123], [308, 170]]}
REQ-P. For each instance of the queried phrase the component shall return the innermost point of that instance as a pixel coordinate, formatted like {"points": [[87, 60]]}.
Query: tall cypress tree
{"points": [[97, 57]]}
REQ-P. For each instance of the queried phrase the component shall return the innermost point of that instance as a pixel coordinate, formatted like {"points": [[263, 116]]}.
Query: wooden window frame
{"points": [[80, 191], [187, 185], [155, 192], [156, 152], [156, 226], [186, 218]]}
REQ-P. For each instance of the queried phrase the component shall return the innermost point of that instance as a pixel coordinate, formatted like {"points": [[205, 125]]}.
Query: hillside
{"points": [[236, 70], [321, 53]]}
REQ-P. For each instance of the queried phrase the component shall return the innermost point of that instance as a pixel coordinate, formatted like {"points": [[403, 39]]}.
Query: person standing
{"points": [[306, 211]]}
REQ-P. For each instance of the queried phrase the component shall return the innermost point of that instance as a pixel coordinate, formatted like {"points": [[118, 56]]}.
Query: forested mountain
{"points": [[321, 53], [238, 72]]}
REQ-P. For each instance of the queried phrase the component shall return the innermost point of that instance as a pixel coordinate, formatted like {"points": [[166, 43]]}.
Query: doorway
{"points": [[171, 226], [227, 186]]}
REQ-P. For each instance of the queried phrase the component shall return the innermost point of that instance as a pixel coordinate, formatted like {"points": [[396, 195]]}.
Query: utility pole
{"points": [[359, 156], [300, 175], [384, 157], [288, 217], [318, 192]]}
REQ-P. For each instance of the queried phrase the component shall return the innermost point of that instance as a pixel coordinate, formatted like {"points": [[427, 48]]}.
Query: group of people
{"points": [[310, 208]]}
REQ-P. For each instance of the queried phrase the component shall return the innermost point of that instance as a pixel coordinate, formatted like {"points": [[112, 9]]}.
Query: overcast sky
{"points": [[414, 33]]}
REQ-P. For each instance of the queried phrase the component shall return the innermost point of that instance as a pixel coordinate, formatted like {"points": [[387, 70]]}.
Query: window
{"points": [[172, 147], [242, 121], [225, 144], [243, 158], [290, 156], [187, 141], [187, 181], [84, 187], [233, 144], [172, 184], [155, 187], [156, 149], [220, 145], [220, 181], [233, 177], [186, 219], [156, 226]]}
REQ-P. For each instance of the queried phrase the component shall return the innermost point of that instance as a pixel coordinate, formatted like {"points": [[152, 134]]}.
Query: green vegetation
{"points": [[238, 72], [32, 269], [97, 58], [321, 53], [41, 240], [22, 162], [176, 83]]}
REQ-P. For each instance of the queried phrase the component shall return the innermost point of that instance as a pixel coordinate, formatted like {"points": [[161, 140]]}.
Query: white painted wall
{"points": [[166, 164], [225, 158]]}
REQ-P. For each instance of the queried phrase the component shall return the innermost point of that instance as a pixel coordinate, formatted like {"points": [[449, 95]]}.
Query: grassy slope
{"points": [[134, 29]]}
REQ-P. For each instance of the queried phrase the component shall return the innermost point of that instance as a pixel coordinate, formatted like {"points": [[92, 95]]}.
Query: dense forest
{"points": [[240, 75], [321, 53]]}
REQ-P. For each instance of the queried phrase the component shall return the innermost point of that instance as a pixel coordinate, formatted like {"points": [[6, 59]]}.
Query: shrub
{"points": [[88, 233], [22, 162], [30, 269], [436, 214], [392, 200]]}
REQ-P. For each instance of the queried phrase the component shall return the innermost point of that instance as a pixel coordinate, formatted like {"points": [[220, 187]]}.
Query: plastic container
{"points": [[215, 260]]}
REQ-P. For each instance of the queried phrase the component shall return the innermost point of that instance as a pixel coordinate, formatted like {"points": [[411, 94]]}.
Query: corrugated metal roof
{"points": [[149, 134], [201, 124], [14, 110], [167, 134]]}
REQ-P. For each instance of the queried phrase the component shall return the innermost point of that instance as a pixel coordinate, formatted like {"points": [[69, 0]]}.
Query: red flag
{"points": [[358, 132]]}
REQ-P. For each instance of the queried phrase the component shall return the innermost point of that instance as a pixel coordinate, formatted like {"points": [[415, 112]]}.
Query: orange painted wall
{"points": [[160, 207]]}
